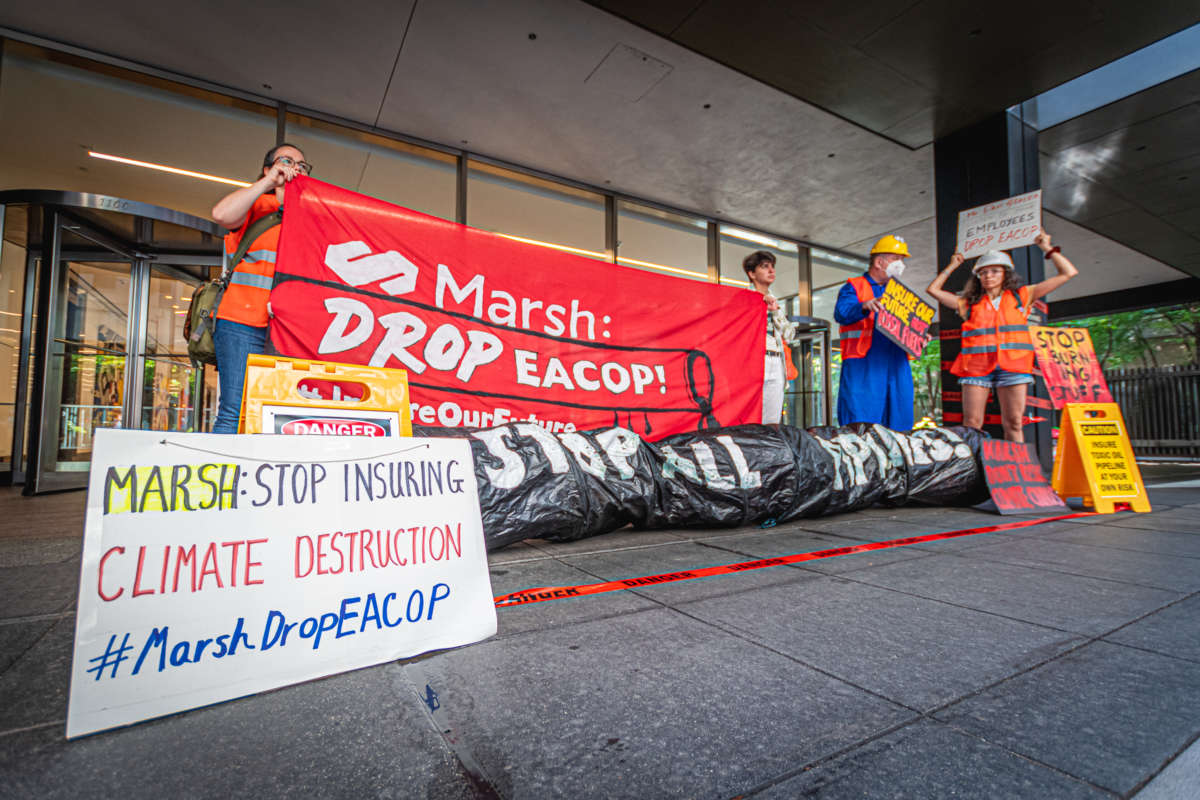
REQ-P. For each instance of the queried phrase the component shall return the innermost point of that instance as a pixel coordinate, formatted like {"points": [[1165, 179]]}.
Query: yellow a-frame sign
{"points": [[1095, 460]]}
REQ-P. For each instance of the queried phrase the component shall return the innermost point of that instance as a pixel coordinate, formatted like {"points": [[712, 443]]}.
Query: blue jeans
{"points": [[233, 341]]}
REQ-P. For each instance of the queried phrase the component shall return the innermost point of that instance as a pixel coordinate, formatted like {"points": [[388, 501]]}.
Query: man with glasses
{"points": [[242, 317]]}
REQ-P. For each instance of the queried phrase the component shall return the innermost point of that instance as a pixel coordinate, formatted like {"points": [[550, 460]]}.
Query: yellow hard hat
{"points": [[891, 244]]}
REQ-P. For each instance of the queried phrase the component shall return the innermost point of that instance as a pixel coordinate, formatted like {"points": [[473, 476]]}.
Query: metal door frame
{"points": [[43, 271]]}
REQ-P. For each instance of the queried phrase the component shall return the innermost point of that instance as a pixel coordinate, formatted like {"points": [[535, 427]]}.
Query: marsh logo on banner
{"points": [[493, 330], [219, 566]]}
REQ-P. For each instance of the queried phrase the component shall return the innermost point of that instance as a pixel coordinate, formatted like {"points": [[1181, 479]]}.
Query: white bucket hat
{"points": [[993, 258]]}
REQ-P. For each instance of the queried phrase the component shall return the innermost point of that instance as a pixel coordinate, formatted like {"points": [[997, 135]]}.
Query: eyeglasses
{"points": [[288, 161]]}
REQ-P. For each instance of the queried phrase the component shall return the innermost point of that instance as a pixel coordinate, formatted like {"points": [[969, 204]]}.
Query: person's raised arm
{"points": [[1066, 270], [231, 211], [935, 289]]}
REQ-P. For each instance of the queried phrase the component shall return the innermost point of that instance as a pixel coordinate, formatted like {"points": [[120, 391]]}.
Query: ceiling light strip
{"points": [[164, 168], [563, 247]]}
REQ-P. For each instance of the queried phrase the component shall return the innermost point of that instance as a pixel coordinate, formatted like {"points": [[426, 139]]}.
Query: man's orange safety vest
{"points": [[856, 337], [997, 337], [245, 298]]}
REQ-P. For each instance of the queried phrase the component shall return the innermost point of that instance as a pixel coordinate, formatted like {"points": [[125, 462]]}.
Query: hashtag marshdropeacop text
{"points": [[111, 657]]}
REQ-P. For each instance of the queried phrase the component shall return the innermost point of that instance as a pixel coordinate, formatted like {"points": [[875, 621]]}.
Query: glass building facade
{"points": [[113, 172]]}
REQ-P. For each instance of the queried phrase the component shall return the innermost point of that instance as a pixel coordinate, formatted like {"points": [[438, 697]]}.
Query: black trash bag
{"points": [[570, 485], [724, 477], [559, 486], [953, 479]]}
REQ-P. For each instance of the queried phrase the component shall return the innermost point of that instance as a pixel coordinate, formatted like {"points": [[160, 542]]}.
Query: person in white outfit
{"points": [[760, 269]]}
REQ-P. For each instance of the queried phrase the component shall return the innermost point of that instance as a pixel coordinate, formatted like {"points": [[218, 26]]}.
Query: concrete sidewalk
{"points": [[1058, 660]]}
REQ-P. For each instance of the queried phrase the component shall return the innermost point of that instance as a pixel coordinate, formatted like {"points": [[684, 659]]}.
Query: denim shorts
{"points": [[998, 377]]}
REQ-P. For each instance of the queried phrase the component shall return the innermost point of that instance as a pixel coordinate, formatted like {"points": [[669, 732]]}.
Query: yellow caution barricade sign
{"points": [[296, 396], [1095, 460]]}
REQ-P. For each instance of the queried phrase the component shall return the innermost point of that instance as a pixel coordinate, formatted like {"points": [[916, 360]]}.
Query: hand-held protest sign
{"points": [[904, 317], [1015, 480], [1095, 460], [219, 566], [1069, 366], [290, 396], [1003, 225], [493, 330]]}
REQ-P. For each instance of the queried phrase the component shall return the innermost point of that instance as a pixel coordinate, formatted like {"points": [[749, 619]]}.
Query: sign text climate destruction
{"points": [[192, 565], [494, 331]]}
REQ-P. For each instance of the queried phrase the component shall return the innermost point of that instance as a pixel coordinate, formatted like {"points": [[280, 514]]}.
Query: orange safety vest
{"points": [[245, 298], [997, 337], [856, 337]]}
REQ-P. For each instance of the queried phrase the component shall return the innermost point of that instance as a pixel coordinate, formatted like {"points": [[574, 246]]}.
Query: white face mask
{"points": [[895, 269]]}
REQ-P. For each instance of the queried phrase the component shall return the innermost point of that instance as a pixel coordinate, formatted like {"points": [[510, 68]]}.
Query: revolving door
{"points": [[807, 401], [98, 288]]}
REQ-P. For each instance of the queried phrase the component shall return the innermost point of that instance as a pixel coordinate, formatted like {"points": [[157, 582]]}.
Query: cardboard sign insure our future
{"points": [[904, 317], [1003, 225], [219, 566]]}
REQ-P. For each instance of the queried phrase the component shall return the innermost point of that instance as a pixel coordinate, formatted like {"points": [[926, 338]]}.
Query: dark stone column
{"points": [[989, 161]]}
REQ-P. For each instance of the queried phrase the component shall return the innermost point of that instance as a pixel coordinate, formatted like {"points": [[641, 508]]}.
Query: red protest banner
{"points": [[492, 330], [1069, 366]]}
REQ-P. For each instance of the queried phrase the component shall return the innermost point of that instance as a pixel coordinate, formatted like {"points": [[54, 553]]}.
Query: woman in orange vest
{"points": [[997, 352], [242, 316]]}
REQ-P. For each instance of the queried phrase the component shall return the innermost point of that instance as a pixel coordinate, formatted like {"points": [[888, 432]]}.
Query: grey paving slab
{"points": [[508, 578], [840, 524], [874, 529], [1110, 715], [1173, 496], [922, 523], [1174, 631], [941, 517], [38, 589], [49, 550], [1181, 520], [360, 734], [1147, 569], [917, 652], [33, 690], [17, 637], [514, 552], [1178, 781], [625, 539], [929, 761], [1143, 540], [1071, 602], [696, 534], [644, 705], [1044, 530], [682, 557], [770, 545]]}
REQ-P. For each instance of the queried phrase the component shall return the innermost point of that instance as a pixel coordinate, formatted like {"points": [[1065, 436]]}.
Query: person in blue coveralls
{"points": [[876, 384]]}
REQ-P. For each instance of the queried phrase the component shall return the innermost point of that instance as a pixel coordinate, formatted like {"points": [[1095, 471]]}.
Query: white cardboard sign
{"points": [[1002, 225], [219, 566]]}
